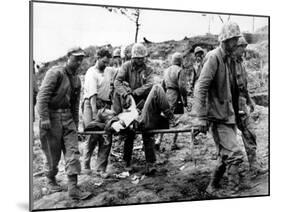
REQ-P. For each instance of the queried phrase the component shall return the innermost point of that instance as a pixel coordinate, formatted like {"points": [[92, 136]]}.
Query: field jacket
{"points": [[140, 80], [213, 99], [59, 90]]}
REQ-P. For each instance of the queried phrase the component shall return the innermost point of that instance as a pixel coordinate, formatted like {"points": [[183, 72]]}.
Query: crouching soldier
{"points": [[135, 80], [244, 122], [58, 107]]}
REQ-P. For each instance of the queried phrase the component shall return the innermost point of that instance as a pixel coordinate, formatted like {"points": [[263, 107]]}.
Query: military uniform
{"points": [[150, 99], [244, 122], [58, 101], [175, 79]]}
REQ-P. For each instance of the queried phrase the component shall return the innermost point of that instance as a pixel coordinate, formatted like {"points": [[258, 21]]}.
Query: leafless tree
{"points": [[132, 14]]}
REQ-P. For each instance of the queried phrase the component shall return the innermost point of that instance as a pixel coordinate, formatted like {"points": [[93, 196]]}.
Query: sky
{"points": [[58, 27]]}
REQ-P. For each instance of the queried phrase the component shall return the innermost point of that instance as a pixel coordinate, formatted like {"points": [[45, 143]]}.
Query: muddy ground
{"points": [[182, 175]]}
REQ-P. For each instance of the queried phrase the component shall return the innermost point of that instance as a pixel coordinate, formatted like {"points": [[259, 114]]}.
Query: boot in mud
{"points": [[53, 186], [73, 191]]}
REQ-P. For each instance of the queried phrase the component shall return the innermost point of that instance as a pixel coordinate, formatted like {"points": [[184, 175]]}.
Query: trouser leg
{"points": [[90, 145], [103, 151], [155, 103], [149, 142], [172, 97], [117, 103], [128, 146], [52, 146], [249, 140], [230, 154], [71, 151]]}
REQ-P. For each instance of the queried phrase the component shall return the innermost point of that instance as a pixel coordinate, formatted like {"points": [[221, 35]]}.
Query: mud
{"points": [[182, 174]]}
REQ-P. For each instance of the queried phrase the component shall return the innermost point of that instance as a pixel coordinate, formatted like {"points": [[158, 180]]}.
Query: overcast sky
{"points": [[59, 27]]}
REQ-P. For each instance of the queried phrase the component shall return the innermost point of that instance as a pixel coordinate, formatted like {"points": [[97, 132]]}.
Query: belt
{"points": [[67, 110], [171, 88]]}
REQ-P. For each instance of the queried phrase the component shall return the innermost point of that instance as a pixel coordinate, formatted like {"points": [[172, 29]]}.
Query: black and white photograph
{"points": [[137, 105]]}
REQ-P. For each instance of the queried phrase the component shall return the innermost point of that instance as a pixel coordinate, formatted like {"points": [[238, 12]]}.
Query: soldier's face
{"points": [[103, 63], [199, 57], [239, 51], [139, 61], [74, 62], [231, 44]]}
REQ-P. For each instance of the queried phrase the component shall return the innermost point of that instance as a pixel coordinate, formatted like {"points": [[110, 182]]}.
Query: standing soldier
{"points": [[97, 96], [135, 80], [58, 108], [117, 61], [244, 121], [175, 83], [216, 102], [198, 64]]}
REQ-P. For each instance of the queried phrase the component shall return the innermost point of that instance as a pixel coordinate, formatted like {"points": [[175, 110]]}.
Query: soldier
{"points": [[58, 108], [244, 121], [117, 61], [135, 80], [216, 103], [198, 64], [97, 96], [175, 84]]}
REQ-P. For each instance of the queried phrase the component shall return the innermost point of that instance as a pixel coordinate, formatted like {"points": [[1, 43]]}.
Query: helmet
{"points": [[177, 58], [117, 53], [139, 50], [125, 52], [242, 42], [198, 49], [229, 30]]}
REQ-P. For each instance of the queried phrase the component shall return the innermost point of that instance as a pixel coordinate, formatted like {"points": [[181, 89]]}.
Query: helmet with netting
{"points": [[139, 50], [229, 30]]}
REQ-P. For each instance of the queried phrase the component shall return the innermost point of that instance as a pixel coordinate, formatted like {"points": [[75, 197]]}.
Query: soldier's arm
{"points": [[76, 103], [146, 87], [183, 84], [118, 82], [249, 100], [93, 102], [202, 86], [44, 95]]}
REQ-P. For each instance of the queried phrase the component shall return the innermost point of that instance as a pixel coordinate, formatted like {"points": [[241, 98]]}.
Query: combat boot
{"points": [[87, 169], [53, 186], [73, 191], [216, 177], [255, 167], [150, 169], [233, 178]]}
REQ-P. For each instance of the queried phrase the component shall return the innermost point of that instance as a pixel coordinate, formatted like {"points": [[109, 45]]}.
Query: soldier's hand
{"points": [[202, 126], [127, 101], [252, 108], [188, 107], [46, 124]]}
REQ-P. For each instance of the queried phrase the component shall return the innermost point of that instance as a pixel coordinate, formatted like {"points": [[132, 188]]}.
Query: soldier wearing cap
{"points": [[198, 64], [216, 104], [58, 108], [244, 121], [135, 79]]}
